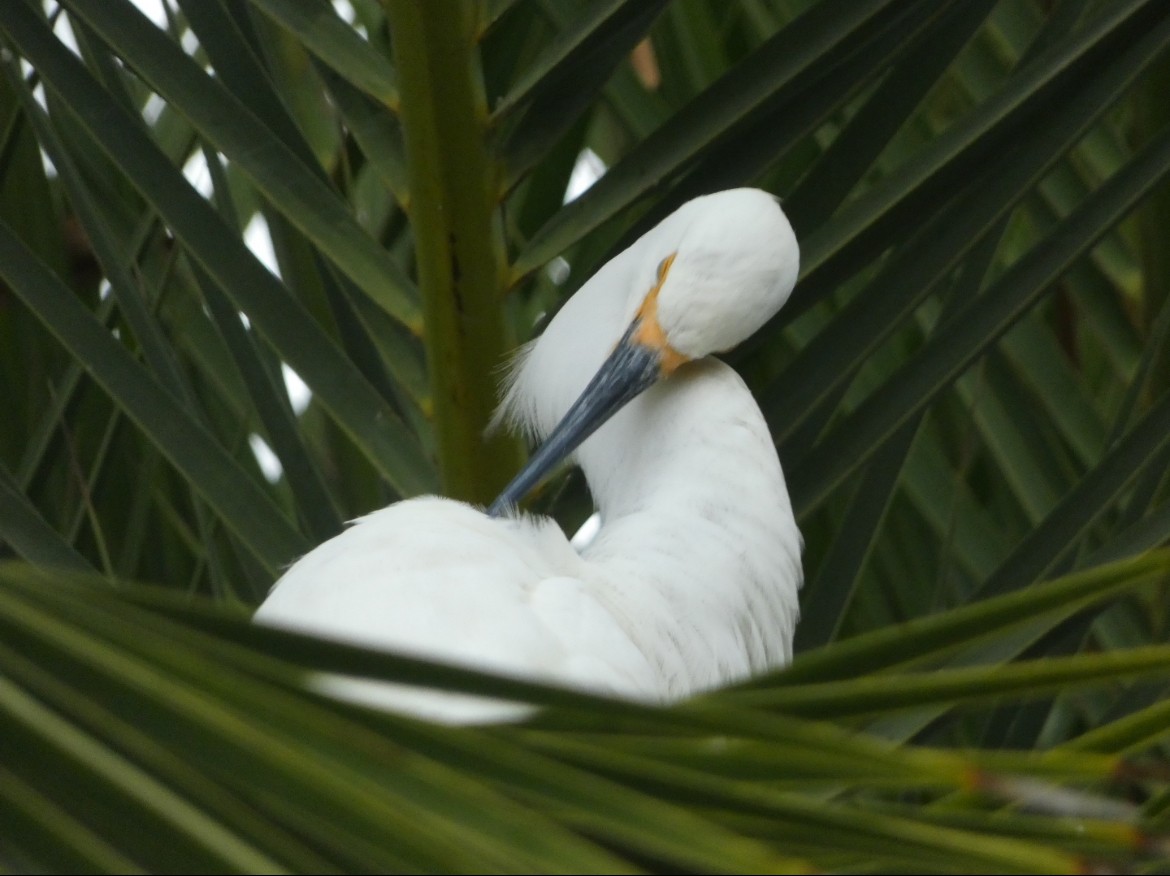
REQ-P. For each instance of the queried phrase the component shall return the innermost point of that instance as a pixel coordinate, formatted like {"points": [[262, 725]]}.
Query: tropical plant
{"points": [[969, 391]]}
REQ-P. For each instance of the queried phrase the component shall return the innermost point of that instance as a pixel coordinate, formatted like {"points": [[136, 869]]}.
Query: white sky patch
{"points": [[152, 109], [270, 466], [349, 15], [47, 164], [196, 172], [299, 396], [6, 55], [586, 533], [298, 393], [588, 170], [256, 235], [259, 240], [189, 41], [64, 30], [153, 9], [558, 270]]}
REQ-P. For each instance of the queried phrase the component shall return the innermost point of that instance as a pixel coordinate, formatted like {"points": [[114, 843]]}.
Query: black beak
{"points": [[630, 369]]}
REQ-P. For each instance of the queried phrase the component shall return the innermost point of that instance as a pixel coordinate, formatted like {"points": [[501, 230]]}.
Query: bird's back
{"points": [[438, 579]]}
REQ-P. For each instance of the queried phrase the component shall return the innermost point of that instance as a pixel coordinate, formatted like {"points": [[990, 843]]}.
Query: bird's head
{"points": [[703, 280], [728, 263]]}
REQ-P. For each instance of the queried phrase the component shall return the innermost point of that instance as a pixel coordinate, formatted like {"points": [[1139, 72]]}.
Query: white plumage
{"points": [[691, 581]]}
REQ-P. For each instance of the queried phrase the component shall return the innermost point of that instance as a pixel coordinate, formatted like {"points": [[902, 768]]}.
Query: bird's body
{"points": [[691, 581]]}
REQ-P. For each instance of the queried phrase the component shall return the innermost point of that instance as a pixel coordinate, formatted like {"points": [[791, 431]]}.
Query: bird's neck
{"points": [[697, 528]]}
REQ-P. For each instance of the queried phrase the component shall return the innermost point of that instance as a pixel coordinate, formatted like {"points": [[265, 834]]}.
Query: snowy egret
{"points": [[692, 579]]}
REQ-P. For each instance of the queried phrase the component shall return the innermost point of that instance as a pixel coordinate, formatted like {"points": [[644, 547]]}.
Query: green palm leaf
{"points": [[966, 388]]}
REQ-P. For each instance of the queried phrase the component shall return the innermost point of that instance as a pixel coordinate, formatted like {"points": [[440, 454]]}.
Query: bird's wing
{"points": [[438, 579]]}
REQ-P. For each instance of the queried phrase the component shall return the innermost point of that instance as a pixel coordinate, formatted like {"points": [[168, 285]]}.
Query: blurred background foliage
{"points": [[260, 263]]}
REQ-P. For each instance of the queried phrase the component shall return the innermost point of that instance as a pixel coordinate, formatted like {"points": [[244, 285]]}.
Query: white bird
{"points": [[692, 579]]}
